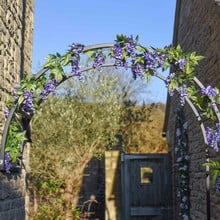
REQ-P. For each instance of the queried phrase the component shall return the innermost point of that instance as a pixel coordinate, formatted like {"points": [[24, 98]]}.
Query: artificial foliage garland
{"points": [[126, 52], [182, 160], [218, 184]]}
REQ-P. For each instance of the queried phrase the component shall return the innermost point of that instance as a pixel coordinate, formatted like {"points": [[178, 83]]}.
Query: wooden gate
{"points": [[146, 187]]}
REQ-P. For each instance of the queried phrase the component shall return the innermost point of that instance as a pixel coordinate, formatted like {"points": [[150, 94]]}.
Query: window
{"points": [[146, 175]]}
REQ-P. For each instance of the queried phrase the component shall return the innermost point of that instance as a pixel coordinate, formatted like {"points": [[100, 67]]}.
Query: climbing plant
{"points": [[182, 160], [126, 52]]}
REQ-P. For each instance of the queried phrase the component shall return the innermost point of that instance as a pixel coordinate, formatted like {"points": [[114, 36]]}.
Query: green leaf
{"points": [[198, 58], [51, 58], [188, 68], [192, 93], [89, 53], [148, 77], [217, 99], [215, 168], [166, 66], [20, 100], [141, 49], [58, 55], [67, 59], [19, 92], [139, 59], [173, 85], [121, 38], [178, 48]]}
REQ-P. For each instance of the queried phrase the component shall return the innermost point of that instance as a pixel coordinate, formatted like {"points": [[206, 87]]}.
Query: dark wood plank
{"points": [[145, 211], [151, 200]]}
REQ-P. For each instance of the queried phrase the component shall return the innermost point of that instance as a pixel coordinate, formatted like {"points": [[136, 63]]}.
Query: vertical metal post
{"points": [[208, 205], [4, 137], [122, 187]]}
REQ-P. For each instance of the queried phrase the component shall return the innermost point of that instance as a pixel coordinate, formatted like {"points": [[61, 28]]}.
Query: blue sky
{"points": [[59, 23]]}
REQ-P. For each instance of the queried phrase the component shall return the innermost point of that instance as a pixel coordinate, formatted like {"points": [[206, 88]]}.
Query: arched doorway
{"points": [[127, 53]]}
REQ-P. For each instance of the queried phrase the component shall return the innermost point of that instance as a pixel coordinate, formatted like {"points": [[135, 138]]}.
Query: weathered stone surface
{"points": [[16, 27], [197, 28]]}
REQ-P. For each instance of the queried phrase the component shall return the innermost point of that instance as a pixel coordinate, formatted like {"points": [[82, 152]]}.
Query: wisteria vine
{"points": [[182, 160], [126, 52]]}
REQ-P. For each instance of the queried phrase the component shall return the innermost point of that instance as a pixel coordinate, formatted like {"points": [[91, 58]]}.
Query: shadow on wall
{"points": [[113, 185], [93, 182], [12, 199], [103, 178]]}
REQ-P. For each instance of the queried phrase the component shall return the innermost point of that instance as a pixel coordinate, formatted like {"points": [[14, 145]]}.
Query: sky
{"points": [[59, 23]]}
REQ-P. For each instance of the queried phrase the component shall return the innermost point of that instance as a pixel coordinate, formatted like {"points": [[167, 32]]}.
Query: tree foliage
{"points": [[67, 132], [142, 127], [81, 121]]}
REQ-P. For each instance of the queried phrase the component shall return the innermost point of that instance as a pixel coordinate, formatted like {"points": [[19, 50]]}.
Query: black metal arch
{"points": [[106, 65], [91, 48]]}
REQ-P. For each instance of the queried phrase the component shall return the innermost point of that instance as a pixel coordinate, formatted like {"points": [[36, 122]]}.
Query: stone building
{"points": [[197, 28], [16, 28]]}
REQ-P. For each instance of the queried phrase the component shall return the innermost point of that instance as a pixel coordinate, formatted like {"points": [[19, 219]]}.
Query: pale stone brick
{"points": [[197, 29], [12, 188]]}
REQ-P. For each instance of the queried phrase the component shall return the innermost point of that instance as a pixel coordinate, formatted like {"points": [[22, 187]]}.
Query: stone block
{"points": [[11, 21]]}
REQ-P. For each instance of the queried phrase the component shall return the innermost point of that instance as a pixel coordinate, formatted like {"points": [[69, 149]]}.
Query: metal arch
{"points": [[97, 46], [106, 65], [217, 2], [86, 49], [40, 73], [214, 106], [208, 199], [4, 136], [37, 76], [189, 102], [161, 77]]}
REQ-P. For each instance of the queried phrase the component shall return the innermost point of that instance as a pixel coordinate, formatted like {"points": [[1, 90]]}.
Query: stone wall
{"points": [[16, 28], [197, 28]]}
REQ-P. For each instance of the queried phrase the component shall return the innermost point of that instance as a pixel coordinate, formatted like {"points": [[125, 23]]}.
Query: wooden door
{"points": [[146, 187]]}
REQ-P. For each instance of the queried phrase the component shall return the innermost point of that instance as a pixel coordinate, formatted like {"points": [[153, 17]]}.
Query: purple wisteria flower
{"points": [[218, 184], [171, 92], [8, 163], [98, 61], [182, 63], [119, 63], [117, 51], [218, 127], [75, 67], [118, 55], [185, 217], [137, 70], [154, 60], [209, 91], [49, 87], [28, 105], [14, 93], [130, 46], [169, 78], [76, 49], [161, 60], [213, 137], [150, 63], [6, 112], [183, 94], [158, 58]]}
